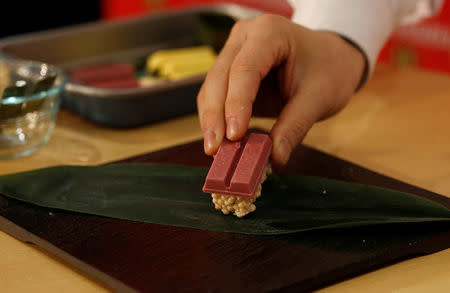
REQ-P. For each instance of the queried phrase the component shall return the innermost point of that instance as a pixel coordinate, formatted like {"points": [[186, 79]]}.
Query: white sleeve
{"points": [[366, 23]]}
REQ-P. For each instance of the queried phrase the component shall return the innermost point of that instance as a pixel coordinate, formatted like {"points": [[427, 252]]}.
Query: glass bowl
{"points": [[29, 101]]}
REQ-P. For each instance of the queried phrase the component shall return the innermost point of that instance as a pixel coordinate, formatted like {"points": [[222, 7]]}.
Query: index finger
{"points": [[259, 54], [211, 98]]}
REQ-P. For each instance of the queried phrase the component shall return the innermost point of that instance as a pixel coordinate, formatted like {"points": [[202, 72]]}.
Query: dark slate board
{"points": [[129, 256]]}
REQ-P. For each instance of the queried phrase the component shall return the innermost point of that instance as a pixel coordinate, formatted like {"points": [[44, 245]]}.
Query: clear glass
{"points": [[27, 122]]}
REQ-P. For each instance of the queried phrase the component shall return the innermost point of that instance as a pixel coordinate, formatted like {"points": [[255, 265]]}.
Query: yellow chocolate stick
{"points": [[5, 79], [156, 60], [175, 70]]}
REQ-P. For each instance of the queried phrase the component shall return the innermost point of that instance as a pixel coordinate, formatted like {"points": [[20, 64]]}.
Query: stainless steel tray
{"points": [[129, 40]]}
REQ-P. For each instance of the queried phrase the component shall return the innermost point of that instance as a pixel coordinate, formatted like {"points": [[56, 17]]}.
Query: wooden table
{"points": [[399, 125]]}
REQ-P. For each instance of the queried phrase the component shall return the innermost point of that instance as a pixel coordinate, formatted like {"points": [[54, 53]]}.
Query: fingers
{"points": [[295, 120], [210, 123], [259, 54], [310, 79], [212, 95], [226, 98]]}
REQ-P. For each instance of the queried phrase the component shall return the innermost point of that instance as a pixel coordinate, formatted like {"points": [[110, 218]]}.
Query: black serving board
{"points": [[139, 257]]}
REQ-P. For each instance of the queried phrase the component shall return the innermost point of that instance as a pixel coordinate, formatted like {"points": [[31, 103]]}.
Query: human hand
{"points": [[317, 73]]}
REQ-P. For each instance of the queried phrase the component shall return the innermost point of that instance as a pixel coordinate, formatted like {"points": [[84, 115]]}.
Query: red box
{"points": [[425, 44], [114, 9]]}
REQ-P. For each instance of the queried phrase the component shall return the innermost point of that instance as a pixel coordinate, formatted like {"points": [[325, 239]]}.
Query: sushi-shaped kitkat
{"points": [[237, 173]]}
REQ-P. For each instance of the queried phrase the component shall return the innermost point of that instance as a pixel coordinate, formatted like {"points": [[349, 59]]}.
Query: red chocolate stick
{"points": [[104, 73], [115, 84]]}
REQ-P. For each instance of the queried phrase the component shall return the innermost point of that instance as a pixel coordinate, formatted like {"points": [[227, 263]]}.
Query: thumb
{"points": [[294, 122]]}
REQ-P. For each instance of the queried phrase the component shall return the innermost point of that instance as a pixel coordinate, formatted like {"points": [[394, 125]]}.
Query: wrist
{"points": [[352, 60], [365, 71]]}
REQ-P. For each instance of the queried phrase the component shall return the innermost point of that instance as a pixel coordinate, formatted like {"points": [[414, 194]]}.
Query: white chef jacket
{"points": [[366, 23]]}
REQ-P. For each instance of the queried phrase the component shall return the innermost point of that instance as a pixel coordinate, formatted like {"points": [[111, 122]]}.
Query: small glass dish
{"points": [[29, 101]]}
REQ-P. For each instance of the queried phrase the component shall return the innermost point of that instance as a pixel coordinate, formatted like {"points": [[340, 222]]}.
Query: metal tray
{"points": [[129, 40]]}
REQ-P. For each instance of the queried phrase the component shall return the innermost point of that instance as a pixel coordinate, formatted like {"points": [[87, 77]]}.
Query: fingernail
{"points": [[232, 128], [284, 149], [209, 140]]}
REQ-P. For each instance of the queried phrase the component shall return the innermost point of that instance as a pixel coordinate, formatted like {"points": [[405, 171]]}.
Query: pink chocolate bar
{"points": [[116, 84], [238, 166], [100, 73]]}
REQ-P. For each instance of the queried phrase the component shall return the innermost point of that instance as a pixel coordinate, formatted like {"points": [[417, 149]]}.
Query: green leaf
{"points": [[172, 195]]}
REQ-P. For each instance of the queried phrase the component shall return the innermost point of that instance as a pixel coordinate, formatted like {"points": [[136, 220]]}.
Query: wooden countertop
{"points": [[399, 125]]}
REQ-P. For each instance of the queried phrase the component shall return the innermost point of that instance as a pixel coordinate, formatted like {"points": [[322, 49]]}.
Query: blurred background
{"points": [[424, 45]]}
